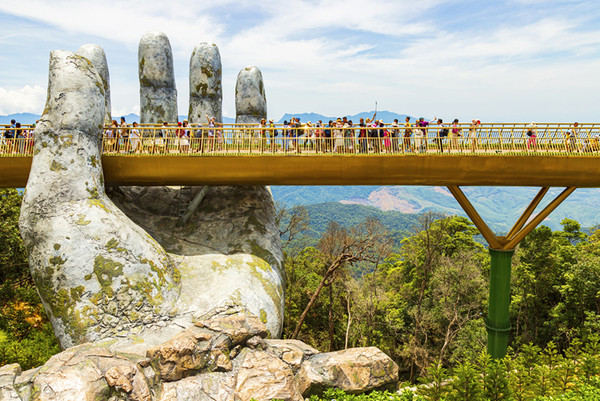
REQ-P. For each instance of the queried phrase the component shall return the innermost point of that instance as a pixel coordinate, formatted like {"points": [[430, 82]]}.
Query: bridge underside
{"points": [[439, 170]]}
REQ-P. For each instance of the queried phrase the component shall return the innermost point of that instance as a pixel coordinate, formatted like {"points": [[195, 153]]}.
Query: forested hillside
{"points": [[425, 303], [499, 206], [414, 286], [321, 214]]}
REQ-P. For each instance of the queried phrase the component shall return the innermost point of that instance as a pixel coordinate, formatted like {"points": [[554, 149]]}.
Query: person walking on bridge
{"points": [[455, 135], [134, 139], [571, 138], [211, 133], [421, 135], [407, 135], [272, 134], [441, 134], [475, 124], [532, 136]]}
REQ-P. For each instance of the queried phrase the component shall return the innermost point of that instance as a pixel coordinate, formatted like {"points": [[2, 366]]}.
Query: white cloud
{"points": [[28, 99], [339, 56], [123, 21]]}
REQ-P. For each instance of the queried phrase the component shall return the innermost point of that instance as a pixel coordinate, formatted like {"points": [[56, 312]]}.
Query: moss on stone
{"points": [[258, 226], [82, 221], [93, 192], [93, 160], [77, 292], [262, 253], [56, 247], [106, 270], [263, 316], [57, 261], [67, 140], [56, 166], [98, 203], [256, 266], [206, 70], [62, 304], [111, 244]]}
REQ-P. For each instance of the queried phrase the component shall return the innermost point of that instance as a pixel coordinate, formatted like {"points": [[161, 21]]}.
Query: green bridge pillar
{"points": [[497, 322]]}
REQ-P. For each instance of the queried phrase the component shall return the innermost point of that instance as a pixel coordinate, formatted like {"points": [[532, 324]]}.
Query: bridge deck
{"points": [[491, 155], [431, 169]]}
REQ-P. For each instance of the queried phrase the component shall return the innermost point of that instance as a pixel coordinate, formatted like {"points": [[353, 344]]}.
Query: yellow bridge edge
{"points": [[436, 170]]}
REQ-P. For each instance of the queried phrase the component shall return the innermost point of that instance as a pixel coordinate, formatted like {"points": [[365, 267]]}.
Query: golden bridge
{"points": [[516, 154], [491, 155]]}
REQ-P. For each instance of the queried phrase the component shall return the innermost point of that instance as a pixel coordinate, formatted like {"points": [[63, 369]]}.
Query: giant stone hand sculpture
{"points": [[131, 276]]}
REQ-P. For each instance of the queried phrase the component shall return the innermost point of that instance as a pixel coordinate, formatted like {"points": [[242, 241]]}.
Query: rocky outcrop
{"points": [[250, 98], [89, 372], [96, 55], [8, 374], [206, 92], [158, 96], [353, 370], [208, 345], [218, 359]]}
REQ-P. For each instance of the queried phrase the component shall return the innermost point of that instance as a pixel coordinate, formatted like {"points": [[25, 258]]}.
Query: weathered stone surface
{"points": [[215, 386], [206, 92], [204, 347], [228, 254], [158, 95], [88, 372], [250, 98], [101, 276], [224, 358], [98, 274], [263, 376], [292, 352], [255, 374], [355, 370], [238, 328], [8, 374], [128, 379], [96, 55], [24, 383]]}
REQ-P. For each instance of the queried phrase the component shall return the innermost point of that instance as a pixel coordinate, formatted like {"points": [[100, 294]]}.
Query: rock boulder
{"points": [[354, 370]]}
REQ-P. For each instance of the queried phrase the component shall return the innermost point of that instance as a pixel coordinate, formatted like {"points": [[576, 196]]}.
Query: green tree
{"points": [[536, 275], [465, 385], [433, 289], [26, 336], [13, 258], [340, 247]]}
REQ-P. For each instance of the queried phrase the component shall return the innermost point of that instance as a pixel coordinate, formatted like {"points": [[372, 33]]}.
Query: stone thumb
{"points": [[98, 274]]}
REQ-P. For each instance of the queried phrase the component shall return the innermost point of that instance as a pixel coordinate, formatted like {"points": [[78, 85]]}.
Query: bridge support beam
{"points": [[498, 322], [501, 252]]}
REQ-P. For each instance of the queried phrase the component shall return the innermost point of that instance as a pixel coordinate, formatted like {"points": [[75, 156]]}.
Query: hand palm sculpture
{"points": [[101, 276]]}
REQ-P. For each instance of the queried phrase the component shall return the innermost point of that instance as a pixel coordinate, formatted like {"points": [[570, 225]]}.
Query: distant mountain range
{"points": [[386, 116], [499, 206]]}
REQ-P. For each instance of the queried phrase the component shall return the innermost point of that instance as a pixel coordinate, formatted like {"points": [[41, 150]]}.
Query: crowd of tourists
{"points": [[17, 138], [341, 136]]}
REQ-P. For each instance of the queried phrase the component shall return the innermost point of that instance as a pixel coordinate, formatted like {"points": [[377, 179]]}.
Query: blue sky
{"points": [[514, 60]]}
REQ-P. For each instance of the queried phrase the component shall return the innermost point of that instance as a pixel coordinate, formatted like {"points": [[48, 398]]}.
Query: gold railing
{"points": [[245, 139]]}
